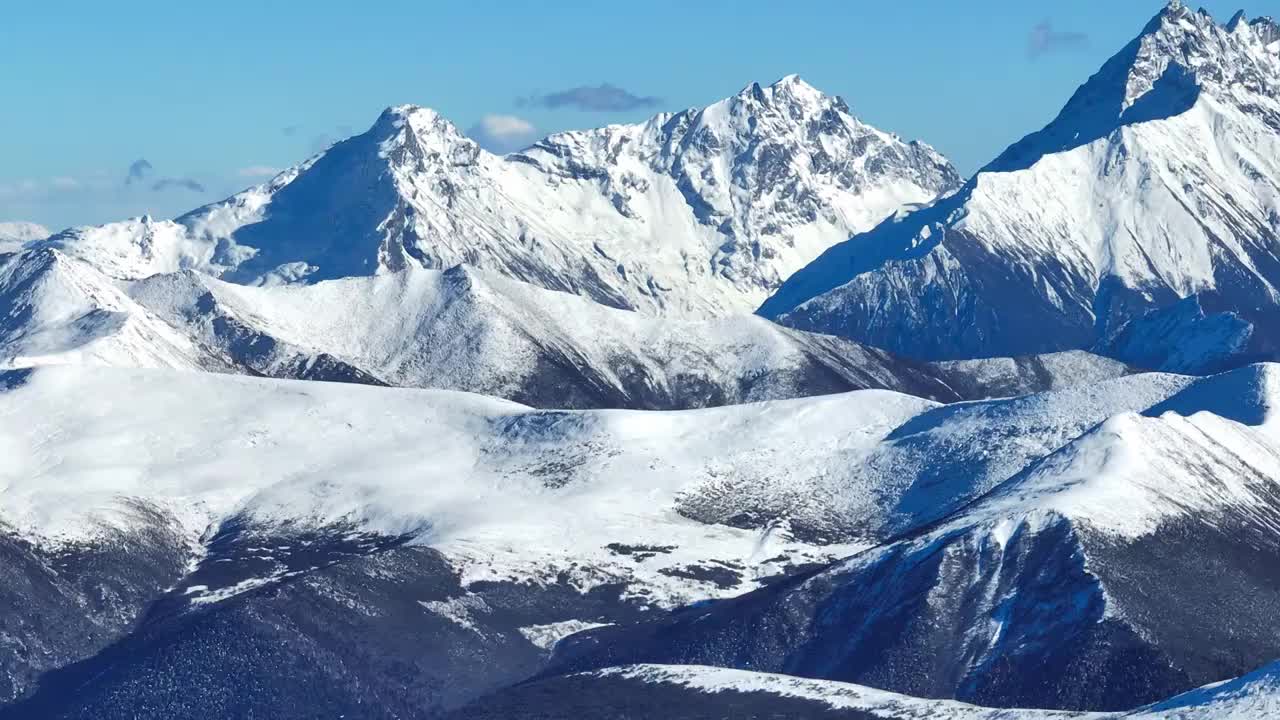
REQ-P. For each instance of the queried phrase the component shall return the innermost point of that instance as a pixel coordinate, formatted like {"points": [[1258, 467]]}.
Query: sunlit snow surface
{"points": [[657, 499]]}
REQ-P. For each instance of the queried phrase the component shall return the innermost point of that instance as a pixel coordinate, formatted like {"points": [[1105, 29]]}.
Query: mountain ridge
{"points": [[698, 213]]}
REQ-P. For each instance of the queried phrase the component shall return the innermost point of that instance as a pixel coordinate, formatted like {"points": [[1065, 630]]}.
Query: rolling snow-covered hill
{"points": [[227, 527], [699, 213], [1159, 180]]}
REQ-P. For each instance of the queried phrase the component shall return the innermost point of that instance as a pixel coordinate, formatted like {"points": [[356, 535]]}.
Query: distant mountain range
{"points": [[693, 214], [14, 234], [989, 450]]}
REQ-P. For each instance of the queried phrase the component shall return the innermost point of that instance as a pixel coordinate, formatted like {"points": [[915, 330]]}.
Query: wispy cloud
{"points": [[1045, 39], [290, 130], [503, 133], [138, 171], [184, 183], [257, 171], [600, 98]]}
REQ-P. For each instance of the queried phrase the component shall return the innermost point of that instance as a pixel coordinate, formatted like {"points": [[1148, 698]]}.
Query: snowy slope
{"points": [[60, 310], [506, 491], [1256, 695], [1159, 180], [1135, 561], [14, 234], [689, 692], [477, 526], [464, 329], [524, 488], [1012, 376], [698, 213]]}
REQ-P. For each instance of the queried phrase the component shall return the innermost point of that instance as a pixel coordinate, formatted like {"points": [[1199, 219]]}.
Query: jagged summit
{"points": [[696, 213], [1161, 73]]}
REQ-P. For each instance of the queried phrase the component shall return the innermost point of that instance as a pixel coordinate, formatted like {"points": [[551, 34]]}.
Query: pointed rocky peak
{"points": [[1214, 57], [790, 95], [411, 133], [795, 87]]}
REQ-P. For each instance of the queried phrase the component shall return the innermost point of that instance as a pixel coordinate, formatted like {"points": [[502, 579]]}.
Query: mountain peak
{"points": [[793, 82], [422, 136], [789, 88], [1179, 55]]}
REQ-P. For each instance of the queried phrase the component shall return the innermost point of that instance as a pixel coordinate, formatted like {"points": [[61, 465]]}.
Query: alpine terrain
{"points": [[745, 411]]}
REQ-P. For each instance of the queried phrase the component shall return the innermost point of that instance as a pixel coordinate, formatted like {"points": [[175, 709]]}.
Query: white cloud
{"points": [[254, 171], [64, 183], [503, 133]]}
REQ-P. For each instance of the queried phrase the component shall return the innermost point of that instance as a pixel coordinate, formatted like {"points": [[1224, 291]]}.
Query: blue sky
{"points": [[213, 95]]}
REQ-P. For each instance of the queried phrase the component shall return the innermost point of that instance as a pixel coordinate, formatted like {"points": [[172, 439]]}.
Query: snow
{"points": [[68, 313], [836, 695], [546, 636], [507, 493], [1132, 473], [653, 499], [1052, 371], [1253, 696], [460, 610], [461, 329], [1256, 695], [470, 330]]}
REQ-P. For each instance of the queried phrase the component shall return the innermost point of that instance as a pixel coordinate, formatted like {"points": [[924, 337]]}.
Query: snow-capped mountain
{"points": [[1135, 561], [465, 329], [698, 213], [459, 329], [246, 524], [14, 234], [1159, 180]]}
